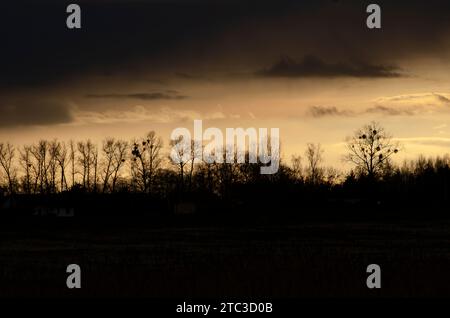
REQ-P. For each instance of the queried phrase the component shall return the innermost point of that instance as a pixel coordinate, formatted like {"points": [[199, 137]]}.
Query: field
{"points": [[138, 258]]}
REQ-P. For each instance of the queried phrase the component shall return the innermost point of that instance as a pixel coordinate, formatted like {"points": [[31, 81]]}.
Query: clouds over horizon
{"points": [[312, 66], [43, 112], [400, 105], [138, 113], [160, 95]]}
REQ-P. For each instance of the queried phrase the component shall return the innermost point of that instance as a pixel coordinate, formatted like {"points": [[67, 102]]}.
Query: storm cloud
{"points": [[125, 39], [312, 66], [34, 113]]}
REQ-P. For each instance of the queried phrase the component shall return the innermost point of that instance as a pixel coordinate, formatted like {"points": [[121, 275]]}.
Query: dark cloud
{"points": [[126, 38], [167, 94], [118, 39], [34, 113], [322, 111], [312, 66], [390, 110]]}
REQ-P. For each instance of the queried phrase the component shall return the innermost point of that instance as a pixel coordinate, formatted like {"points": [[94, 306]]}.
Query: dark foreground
{"points": [[138, 258]]}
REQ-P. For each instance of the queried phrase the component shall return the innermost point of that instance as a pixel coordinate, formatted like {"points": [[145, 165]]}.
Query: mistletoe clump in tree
{"points": [[146, 160], [371, 149]]}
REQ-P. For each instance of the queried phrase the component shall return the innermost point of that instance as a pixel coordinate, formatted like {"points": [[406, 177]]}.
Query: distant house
{"points": [[54, 211]]}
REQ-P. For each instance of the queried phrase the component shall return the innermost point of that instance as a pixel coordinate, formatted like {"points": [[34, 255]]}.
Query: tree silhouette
{"points": [[118, 160], [196, 152], [297, 169], [147, 159], [61, 158], [26, 164], [370, 149], [7, 153], [54, 149], [313, 155], [40, 166], [108, 155], [40, 169], [72, 158], [180, 155], [89, 163]]}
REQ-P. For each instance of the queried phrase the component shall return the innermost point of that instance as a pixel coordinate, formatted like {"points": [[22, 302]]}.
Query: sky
{"points": [[310, 68]]}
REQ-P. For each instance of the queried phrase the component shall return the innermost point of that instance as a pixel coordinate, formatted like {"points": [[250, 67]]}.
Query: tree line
{"points": [[143, 166]]}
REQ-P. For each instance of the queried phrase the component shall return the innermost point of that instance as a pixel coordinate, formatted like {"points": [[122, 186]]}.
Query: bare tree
{"points": [[297, 169], [114, 157], [313, 155], [89, 162], [26, 163], [108, 155], [61, 158], [83, 160], [94, 163], [72, 160], [35, 168], [147, 160], [7, 153], [53, 150], [226, 173], [120, 156], [370, 149], [196, 152], [180, 156], [40, 166], [331, 176]]}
